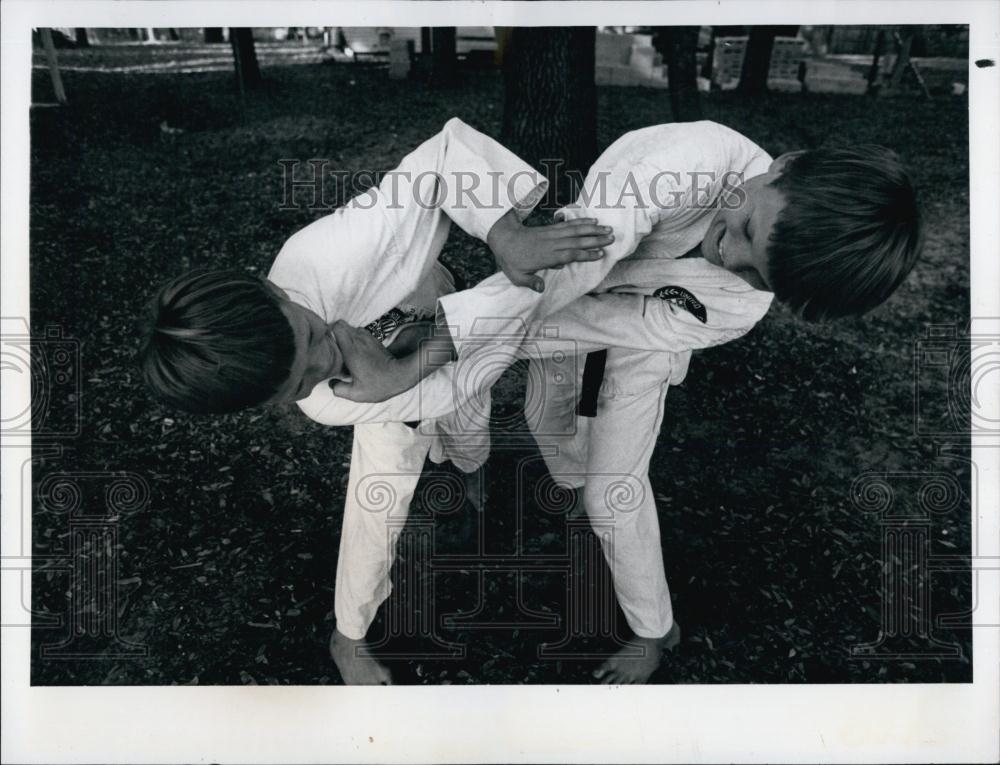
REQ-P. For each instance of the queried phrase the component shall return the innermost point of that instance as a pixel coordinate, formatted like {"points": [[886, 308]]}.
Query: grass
{"points": [[226, 572]]}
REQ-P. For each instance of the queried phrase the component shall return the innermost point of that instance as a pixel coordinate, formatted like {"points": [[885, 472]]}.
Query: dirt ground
{"points": [[224, 573]]}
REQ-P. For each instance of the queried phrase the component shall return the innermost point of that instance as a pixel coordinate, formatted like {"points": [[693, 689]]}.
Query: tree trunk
{"points": [[444, 58], [245, 55], [550, 103], [753, 78], [82, 41], [679, 48], [213, 35]]}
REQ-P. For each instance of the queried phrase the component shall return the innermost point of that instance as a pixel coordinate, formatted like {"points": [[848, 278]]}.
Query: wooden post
{"points": [[902, 59], [50, 57], [905, 62], [873, 78], [502, 35]]}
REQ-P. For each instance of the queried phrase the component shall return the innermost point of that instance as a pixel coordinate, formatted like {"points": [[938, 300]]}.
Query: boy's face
{"points": [[737, 239], [317, 357]]}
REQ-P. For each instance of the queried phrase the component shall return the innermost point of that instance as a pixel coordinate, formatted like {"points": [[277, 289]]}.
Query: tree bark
{"points": [[550, 103], [82, 41], [245, 57], [444, 61], [753, 78], [679, 48]]}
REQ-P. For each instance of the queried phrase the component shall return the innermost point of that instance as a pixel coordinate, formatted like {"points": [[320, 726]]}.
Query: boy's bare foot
{"points": [[357, 668], [638, 659]]}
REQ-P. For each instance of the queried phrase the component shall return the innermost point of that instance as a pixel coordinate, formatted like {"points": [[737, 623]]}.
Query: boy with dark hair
{"points": [[722, 224], [831, 232], [848, 233], [223, 341], [190, 314]]}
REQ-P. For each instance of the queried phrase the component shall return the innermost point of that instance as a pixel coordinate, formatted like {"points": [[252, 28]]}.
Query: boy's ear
{"points": [[780, 162]]}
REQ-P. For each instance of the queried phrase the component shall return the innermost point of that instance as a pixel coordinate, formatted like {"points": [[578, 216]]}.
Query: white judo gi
{"points": [[377, 253], [659, 189], [380, 252], [608, 455]]}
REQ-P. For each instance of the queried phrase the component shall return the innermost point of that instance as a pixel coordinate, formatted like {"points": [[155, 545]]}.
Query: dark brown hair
{"points": [[216, 342], [849, 232]]}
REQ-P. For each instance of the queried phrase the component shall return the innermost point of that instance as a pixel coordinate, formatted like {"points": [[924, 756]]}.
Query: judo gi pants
{"points": [[607, 458], [386, 462]]}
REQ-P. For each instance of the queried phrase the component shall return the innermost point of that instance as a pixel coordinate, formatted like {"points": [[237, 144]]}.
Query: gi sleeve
{"points": [[459, 175], [496, 308], [662, 176], [435, 396], [645, 323]]}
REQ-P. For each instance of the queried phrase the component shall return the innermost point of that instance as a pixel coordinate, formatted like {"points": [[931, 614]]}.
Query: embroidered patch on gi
{"points": [[681, 298], [387, 323]]}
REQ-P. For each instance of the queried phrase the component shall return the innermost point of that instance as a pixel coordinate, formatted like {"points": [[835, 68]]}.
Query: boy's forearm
{"points": [[496, 299], [431, 354]]}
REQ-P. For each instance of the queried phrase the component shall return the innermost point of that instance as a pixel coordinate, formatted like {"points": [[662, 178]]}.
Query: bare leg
{"points": [[638, 659], [355, 665]]}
